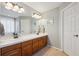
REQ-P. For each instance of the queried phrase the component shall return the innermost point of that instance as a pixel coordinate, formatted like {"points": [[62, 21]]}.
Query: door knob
{"points": [[76, 35]]}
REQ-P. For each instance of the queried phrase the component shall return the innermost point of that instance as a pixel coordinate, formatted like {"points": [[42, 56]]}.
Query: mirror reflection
{"points": [[20, 20], [14, 22]]}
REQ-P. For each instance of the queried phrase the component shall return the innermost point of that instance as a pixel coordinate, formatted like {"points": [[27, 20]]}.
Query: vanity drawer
{"points": [[10, 48], [16, 52]]}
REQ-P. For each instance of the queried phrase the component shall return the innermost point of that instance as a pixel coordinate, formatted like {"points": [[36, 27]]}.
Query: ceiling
{"points": [[43, 6], [30, 7], [5, 12]]}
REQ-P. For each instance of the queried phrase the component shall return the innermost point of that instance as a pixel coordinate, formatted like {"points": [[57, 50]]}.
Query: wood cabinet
{"points": [[27, 48], [14, 50], [0, 52], [41, 42], [35, 45], [45, 38]]}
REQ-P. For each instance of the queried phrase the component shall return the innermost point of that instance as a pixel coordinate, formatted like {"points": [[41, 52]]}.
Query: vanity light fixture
{"points": [[14, 7], [21, 10], [8, 6], [37, 16]]}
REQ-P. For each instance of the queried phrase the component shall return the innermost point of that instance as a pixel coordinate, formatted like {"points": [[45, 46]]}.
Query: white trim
{"points": [[68, 6], [56, 48], [62, 25], [61, 30], [61, 15]]}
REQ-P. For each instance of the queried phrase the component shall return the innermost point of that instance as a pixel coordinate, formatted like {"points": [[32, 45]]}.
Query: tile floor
{"points": [[47, 51]]}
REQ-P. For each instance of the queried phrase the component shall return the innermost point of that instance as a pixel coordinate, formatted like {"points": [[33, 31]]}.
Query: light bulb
{"points": [[8, 6], [19, 11], [22, 9], [16, 8], [36, 16]]}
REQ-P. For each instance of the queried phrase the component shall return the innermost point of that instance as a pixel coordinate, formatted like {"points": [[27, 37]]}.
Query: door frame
{"points": [[62, 24]]}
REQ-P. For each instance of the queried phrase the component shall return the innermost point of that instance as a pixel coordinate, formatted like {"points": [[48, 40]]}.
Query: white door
{"points": [[76, 41], [71, 29], [68, 31]]}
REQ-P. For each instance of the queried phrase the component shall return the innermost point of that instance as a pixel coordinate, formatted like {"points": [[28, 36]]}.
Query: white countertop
{"points": [[11, 41]]}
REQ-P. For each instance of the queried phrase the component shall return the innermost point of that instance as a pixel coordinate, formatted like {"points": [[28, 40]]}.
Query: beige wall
{"points": [[55, 29], [52, 29]]}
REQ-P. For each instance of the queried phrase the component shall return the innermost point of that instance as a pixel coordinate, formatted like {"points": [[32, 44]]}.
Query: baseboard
{"points": [[66, 53], [60, 50], [56, 48]]}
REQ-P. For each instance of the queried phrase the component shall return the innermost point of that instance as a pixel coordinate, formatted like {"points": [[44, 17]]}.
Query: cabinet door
{"points": [[13, 50], [45, 40], [27, 48], [35, 45], [10, 48], [41, 43], [0, 52], [27, 51], [16, 52]]}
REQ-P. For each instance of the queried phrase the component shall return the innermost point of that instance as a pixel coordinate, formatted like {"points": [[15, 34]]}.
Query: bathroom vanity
{"points": [[12, 50], [23, 46]]}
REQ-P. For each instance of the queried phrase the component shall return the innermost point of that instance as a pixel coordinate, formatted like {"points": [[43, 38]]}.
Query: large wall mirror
{"points": [[13, 22], [20, 25]]}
